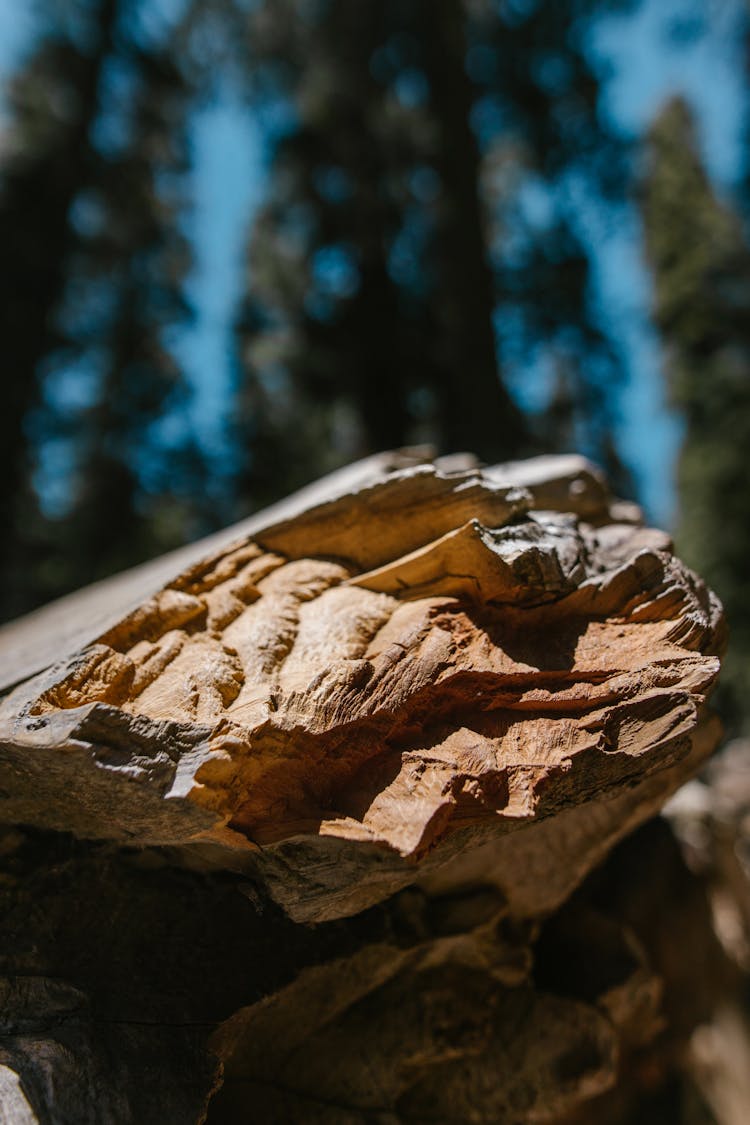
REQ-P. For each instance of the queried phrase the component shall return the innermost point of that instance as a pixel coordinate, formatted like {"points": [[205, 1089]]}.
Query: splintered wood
{"points": [[433, 672], [418, 708]]}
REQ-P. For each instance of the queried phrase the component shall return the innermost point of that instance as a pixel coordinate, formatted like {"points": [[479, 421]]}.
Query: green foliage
{"points": [[701, 263]]}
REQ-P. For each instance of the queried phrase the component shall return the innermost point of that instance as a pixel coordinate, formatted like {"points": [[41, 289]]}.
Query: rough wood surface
{"points": [[376, 686], [432, 698]]}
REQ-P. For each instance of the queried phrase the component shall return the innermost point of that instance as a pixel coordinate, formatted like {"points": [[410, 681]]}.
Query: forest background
{"points": [[247, 241]]}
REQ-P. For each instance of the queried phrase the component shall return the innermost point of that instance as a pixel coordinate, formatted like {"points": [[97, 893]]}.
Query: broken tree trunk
{"points": [[289, 808]]}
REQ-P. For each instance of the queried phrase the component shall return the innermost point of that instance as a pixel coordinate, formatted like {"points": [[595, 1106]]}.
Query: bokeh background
{"points": [[246, 241]]}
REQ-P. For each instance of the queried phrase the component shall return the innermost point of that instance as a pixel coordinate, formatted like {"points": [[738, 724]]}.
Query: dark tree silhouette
{"points": [[397, 270]]}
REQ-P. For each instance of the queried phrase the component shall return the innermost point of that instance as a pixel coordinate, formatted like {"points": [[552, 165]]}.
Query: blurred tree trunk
{"points": [[91, 213], [492, 424], [54, 100]]}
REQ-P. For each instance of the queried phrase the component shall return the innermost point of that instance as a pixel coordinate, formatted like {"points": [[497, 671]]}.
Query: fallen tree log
{"points": [[414, 709]]}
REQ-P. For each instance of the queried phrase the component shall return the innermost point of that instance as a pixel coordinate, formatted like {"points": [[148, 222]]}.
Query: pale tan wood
{"points": [[375, 687], [56, 630]]}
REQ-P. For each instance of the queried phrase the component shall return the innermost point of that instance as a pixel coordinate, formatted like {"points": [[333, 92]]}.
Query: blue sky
{"points": [[228, 185], [644, 69]]}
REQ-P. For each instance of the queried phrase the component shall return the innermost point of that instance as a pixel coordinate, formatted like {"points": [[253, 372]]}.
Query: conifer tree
{"points": [[91, 204], [701, 267], [53, 103]]}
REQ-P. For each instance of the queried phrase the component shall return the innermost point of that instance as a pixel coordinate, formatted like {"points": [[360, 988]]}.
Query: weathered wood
{"points": [[438, 695], [59, 629], [370, 689]]}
